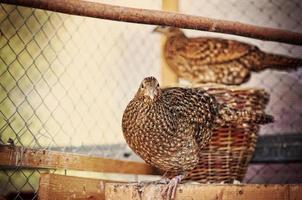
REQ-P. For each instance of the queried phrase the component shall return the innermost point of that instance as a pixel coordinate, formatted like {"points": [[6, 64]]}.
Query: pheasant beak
{"points": [[151, 92], [158, 29], [155, 30]]}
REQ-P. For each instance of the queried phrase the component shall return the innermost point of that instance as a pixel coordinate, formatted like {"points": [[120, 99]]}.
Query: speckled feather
{"points": [[169, 127], [216, 60]]}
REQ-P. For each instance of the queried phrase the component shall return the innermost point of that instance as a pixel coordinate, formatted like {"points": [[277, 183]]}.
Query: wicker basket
{"points": [[230, 150]]}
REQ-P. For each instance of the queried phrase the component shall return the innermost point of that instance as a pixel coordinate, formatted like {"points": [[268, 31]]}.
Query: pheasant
{"points": [[216, 60], [169, 127]]}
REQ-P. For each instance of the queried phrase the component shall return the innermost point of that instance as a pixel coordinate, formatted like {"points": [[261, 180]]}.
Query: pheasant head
{"points": [[149, 90], [168, 31]]}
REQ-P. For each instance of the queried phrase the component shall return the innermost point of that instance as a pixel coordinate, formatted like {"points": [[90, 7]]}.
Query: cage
{"points": [[65, 81]]}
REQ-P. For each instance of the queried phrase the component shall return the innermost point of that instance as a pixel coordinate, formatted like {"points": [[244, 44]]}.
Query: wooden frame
{"points": [[69, 187], [13, 156], [116, 191]]}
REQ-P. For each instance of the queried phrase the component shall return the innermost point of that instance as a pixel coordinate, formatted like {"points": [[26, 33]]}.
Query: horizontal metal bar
{"points": [[155, 17]]}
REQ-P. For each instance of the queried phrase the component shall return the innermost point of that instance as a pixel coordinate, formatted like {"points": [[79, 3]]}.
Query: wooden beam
{"points": [[13, 156], [201, 192], [168, 76], [68, 187], [145, 16]]}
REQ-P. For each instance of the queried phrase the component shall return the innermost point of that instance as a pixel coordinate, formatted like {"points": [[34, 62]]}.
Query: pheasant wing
{"points": [[191, 105], [208, 51]]}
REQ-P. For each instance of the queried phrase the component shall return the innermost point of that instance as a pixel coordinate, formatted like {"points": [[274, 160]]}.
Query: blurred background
{"points": [[66, 80]]}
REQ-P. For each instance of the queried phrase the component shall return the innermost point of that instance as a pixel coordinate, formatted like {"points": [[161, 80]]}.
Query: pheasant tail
{"points": [[280, 62], [230, 115]]}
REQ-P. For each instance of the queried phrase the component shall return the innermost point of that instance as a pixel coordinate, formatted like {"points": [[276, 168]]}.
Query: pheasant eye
{"points": [[157, 85], [142, 86]]}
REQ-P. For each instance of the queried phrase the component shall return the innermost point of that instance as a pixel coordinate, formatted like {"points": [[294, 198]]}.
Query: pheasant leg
{"points": [[169, 191]]}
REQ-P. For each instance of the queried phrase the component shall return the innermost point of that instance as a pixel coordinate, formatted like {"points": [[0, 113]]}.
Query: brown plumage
{"points": [[168, 127], [216, 60]]}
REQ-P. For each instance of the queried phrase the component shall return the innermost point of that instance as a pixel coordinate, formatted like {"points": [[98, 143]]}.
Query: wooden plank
{"points": [[295, 192], [68, 187], [115, 191], [13, 156], [168, 76]]}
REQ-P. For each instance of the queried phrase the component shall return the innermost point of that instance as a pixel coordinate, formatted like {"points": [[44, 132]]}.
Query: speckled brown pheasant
{"points": [[168, 127], [216, 60]]}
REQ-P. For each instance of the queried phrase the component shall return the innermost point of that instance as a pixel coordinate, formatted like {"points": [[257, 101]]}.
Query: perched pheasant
{"points": [[215, 60], [169, 127]]}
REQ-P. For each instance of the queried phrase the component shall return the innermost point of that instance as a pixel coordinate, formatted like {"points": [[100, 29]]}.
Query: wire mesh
{"points": [[65, 80]]}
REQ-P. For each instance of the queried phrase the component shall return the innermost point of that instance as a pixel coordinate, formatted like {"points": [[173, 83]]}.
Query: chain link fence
{"points": [[65, 80]]}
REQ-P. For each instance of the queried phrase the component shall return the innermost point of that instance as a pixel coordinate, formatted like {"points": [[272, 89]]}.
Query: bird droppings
{"points": [[220, 195], [213, 27], [84, 190], [139, 189], [101, 187], [114, 188]]}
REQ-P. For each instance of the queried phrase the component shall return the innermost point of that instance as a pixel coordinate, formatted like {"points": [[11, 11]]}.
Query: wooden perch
{"points": [[116, 191], [68, 187], [145, 16], [13, 156]]}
